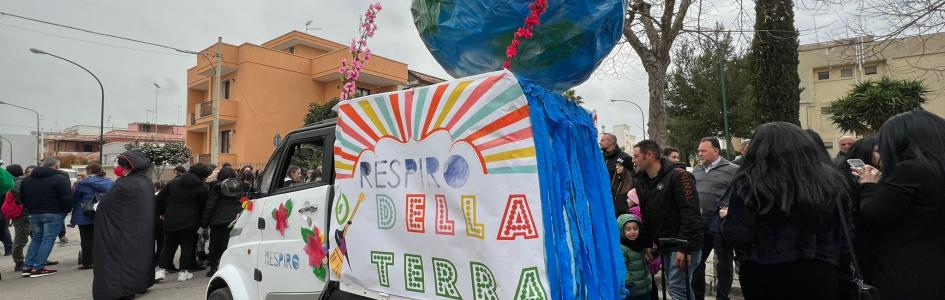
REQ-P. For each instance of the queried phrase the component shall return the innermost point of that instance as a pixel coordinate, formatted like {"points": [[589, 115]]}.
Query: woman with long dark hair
{"points": [[85, 191], [907, 200], [782, 217], [621, 184], [221, 210]]}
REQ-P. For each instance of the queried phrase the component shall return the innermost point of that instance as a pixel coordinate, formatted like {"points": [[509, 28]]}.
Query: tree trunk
{"points": [[657, 90]]}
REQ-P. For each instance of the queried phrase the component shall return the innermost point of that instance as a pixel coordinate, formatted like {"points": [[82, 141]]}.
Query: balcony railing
{"points": [[192, 118], [206, 109]]}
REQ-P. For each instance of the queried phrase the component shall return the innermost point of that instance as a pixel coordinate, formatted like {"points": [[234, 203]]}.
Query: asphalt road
{"points": [[72, 283]]}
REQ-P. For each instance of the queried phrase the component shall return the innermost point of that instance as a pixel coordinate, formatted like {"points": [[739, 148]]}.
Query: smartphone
{"points": [[856, 163]]}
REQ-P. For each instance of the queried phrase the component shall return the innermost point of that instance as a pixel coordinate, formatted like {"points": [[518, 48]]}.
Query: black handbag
{"points": [[861, 290], [89, 207]]}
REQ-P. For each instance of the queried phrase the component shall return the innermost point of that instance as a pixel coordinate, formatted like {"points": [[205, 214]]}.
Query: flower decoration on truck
{"points": [[281, 215], [317, 251]]}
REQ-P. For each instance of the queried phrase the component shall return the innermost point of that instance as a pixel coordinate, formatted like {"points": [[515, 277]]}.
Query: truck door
{"points": [[294, 213]]}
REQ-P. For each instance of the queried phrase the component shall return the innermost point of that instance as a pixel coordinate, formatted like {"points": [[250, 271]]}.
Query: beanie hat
{"points": [[626, 162]]}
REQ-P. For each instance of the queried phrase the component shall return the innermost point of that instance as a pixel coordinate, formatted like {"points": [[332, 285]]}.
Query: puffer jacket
{"points": [[221, 209], [638, 280], [85, 190], [182, 202]]}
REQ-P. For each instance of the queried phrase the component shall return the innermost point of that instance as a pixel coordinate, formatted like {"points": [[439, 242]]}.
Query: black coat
{"points": [[776, 237], [221, 209], [909, 205], [670, 205], [123, 247], [46, 191], [182, 203]]}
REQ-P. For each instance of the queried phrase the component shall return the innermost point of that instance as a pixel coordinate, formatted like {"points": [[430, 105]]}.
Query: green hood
{"points": [[624, 218]]}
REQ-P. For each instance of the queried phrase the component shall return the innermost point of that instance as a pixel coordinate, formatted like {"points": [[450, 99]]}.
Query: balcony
{"points": [[378, 71], [202, 114]]}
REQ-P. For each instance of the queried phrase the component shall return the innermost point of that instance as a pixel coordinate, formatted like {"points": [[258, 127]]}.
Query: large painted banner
{"points": [[437, 193]]}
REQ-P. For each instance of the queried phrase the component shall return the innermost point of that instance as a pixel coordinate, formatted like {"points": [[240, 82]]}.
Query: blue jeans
{"points": [[46, 228], [676, 279], [5, 236]]}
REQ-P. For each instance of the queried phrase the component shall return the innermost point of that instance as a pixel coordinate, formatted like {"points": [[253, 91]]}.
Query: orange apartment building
{"points": [[267, 89]]}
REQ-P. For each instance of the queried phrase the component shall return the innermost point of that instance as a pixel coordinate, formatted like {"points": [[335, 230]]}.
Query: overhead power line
{"points": [[2, 13]]}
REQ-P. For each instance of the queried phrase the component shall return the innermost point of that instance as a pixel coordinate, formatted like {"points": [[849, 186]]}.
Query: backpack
{"points": [[11, 209]]}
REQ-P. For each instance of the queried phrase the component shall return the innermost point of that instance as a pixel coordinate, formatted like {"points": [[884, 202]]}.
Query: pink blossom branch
{"points": [[360, 54]]}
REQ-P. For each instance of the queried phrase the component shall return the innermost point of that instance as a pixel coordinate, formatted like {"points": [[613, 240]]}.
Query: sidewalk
{"points": [[72, 283]]}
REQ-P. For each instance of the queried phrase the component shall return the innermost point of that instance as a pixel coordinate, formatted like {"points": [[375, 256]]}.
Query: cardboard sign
{"points": [[437, 193]]}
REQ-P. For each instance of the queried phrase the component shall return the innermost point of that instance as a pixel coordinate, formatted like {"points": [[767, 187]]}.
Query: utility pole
{"points": [[217, 90], [728, 136], [156, 88]]}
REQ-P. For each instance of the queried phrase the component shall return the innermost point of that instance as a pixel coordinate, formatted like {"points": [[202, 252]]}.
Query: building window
{"points": [[823, 75], [361, 92], [88, 148], [291, 49], [225, 137], [869, 70], [846, 72], [226, 89], [145, 128]]}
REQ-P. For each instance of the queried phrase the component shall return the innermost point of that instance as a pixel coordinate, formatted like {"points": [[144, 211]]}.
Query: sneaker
{"points": [[51, 262], [26, 272], [64, 240], [184, 275], [160, 274], [18, 266], [85, 267], [41, 273]]}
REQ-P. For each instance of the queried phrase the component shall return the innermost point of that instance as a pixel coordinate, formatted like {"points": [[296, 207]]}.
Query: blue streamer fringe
{"points": [[574, 185]]}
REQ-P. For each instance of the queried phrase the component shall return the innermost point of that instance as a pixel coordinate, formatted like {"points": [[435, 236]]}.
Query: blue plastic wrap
{"points": [[470, 37]]}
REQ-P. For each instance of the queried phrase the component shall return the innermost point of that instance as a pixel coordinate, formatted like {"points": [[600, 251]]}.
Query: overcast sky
{"points": [[65, 95]]}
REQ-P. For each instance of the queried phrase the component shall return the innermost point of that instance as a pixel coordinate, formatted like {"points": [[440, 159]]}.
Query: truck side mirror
{"points": [[232, 187]]}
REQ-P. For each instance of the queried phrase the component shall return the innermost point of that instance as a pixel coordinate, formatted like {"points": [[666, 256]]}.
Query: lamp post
{"points": [[101, 128], [156, 88], [642, 115], [39, 134], [11, 148]]}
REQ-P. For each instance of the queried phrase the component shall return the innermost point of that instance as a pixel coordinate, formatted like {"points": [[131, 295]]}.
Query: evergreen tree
{"points": [[318, 112], [694, 95], [773, 60]]}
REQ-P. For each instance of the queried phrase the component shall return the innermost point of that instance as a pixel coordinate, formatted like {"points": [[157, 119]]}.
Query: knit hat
{"points": [[627, 163]]}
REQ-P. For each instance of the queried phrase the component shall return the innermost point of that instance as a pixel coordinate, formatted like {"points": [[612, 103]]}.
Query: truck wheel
{"points": [[221, 294]]}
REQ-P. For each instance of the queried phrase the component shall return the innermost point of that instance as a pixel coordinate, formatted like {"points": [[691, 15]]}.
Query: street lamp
{"points": [[642, 115], [39, 135], [101, 127], [11, 148], [156, 88]]}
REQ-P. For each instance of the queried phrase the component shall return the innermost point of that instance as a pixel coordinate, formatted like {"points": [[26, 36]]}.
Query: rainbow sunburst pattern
{"points": [[489, 112]]}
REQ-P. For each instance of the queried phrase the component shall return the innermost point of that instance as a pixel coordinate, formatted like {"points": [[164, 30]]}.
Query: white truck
{"points": [[431, 192]]}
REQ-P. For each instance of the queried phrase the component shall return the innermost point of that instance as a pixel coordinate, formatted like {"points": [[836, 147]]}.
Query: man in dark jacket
{"points": [[670, 206], [123, 241], [612, 152], [182, 203], [713, 177], [47, 195]]}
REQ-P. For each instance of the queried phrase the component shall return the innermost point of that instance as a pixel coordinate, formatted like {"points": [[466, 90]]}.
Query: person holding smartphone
{"points": [[906, 199]]}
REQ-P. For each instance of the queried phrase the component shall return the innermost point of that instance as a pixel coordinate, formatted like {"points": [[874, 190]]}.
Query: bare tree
{"points": [[651, 37]]}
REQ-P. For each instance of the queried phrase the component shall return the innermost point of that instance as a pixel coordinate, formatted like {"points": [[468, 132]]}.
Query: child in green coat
{"points": [[639, 281]]}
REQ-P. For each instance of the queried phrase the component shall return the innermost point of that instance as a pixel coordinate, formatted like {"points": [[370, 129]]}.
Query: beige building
{"points": [[829, 70], [625, 139]]}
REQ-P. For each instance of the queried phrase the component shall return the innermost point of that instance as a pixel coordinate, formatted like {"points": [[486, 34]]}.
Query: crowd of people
{"points": [[789, 220], [126, 253]]}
